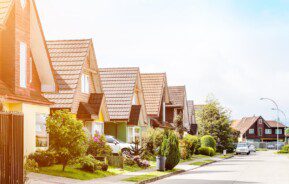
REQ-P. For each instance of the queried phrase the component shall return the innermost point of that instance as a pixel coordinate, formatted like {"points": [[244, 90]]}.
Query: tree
{"points": [[178, 121], [214, 120], [66, 136], [171, 150]]}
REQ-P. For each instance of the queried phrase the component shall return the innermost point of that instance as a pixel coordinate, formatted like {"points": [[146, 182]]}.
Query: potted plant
{"points": [[161, 159]]}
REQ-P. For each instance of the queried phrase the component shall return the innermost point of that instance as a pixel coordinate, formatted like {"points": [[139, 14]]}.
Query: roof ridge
{"points": [[70, 40], [123, 68]]}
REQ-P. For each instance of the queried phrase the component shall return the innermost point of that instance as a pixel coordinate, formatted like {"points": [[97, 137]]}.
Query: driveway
{"points": [[260, 168]]}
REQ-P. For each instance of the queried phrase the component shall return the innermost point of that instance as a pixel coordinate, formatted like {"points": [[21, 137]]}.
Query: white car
{"points": [[243, 148], [118, 146]]}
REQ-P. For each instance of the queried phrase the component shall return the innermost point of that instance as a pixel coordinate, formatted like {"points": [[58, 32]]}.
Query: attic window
{"points": [[23, 65], [23, 3], [134, 99], [85, 83]]}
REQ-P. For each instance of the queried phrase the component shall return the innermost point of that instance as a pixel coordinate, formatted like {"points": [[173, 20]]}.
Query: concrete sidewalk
{"points": [[35, 178]]}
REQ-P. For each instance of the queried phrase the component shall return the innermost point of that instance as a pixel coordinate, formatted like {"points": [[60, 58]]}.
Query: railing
{"points": [[11, 148]]}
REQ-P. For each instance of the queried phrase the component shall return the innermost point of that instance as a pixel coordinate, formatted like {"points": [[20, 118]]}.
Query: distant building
{"points": [[257, 129], [192, 118]]}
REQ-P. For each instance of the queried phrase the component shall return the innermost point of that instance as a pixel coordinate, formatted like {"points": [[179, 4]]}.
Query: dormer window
{"points": [[134, 99], [23, 65], [85, 84], [23, 3]]}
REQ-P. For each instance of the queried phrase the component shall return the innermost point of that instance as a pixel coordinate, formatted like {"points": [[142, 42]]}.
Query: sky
{"points": [[236, 50]]}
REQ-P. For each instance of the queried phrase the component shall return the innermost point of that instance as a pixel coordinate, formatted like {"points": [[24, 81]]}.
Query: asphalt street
{"points": [[261, 168]]}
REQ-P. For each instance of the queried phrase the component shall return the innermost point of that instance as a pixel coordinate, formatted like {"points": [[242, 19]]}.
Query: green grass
{"points": [[261, 149], [75, 173], [226, 156], [201, 163], [149, 176]]}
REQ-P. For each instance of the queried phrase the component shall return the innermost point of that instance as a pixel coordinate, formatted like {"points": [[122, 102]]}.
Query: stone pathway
{"points": [[35, 178]]}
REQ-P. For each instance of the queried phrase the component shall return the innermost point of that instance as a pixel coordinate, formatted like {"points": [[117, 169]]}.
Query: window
{"points": [[98, 129], [260, 131], [41, 134], [133, 134], [31, 68], [85, 83], [23, 64], [23, 3], [251, 131], [260, 121], [278, 131], [268, 131], [134, 99]]}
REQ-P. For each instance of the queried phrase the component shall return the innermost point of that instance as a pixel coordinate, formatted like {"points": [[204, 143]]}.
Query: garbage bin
{"points": [[161, 163], [224, 152]]}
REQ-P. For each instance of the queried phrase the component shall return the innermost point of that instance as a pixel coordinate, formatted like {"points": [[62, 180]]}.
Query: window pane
{"points": [[41, 134], [23, 64]]}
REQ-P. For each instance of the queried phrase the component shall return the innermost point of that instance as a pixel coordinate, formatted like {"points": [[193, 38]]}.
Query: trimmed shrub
{"points": [[43, 158], [284, 150], [206, 151], [31, 165], [152, 140], [171, 151], [129, 161], [90, 164], [190, 143], [97, 147], [208, 141]]}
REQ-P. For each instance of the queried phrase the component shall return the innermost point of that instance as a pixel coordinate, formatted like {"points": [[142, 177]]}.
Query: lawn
{"points": [[261, 149], [201, 163], [75, 173], [149, 176], [226, 156]]}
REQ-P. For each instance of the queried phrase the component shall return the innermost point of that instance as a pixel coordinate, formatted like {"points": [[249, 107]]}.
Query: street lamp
{"points": [[277, 109]]}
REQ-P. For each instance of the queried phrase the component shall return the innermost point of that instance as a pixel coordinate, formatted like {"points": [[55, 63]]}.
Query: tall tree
{"points": [[214, 120]]}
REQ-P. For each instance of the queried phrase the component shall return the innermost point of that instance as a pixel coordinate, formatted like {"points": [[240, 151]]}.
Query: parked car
{"points": [[252, 148], [118, 146], [271, 146], [243, 148]]}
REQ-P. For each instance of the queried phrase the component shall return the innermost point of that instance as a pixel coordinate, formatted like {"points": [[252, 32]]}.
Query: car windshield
{"points": [[242, 145], [111, 139]]}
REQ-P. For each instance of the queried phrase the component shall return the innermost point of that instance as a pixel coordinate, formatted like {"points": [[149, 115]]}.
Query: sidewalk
{"points": [[35, 178]]}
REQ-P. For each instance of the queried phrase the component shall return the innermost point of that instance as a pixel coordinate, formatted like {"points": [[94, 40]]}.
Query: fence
{"points": [[11, 148]]}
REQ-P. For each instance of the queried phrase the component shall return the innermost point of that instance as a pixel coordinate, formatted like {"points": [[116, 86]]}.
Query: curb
{"points": [[177, 172], [161, 177]]}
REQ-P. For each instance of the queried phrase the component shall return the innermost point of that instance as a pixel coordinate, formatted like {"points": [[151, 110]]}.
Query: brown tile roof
{"points": [[5, 8], [177, 95], [244, 124], [118, 86], [153, 88], [273, 124], [191, 111], [68, 57]]}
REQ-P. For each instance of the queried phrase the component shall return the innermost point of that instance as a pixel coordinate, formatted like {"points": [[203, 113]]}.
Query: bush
{"points": [[90, 164], [206, 151], [140, 162], [31, 165], [152, 140], [43, 158], [129, 161], [97, 147], [208, 141], [285, 149], [190, 143], [171, 150]]}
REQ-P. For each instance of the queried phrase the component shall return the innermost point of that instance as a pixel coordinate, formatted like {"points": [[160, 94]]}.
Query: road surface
{"points": [[260, 168]]}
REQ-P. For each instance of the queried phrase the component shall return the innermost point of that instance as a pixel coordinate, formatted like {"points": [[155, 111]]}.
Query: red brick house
{"points": [[156, 96], [257, 129], [25, 67], [178, 106]]}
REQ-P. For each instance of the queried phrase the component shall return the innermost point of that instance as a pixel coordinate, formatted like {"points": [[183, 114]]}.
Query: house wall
{"points": [[117, 130], [29, 111]]}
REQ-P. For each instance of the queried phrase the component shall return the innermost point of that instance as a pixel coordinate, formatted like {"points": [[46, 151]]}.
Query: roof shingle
{"points": [[153, 89], [68, 57], [177, 95], [5, 8], [118, 86], [244, 124], [191, 111]]}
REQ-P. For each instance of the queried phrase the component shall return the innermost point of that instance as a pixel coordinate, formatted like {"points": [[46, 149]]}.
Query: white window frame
{"points": [[41, 125], [280, 131], [99, 127], [23, 65], [268, 131], [31, 69], [252, 131], [132, 138], [85, 83], [134, 99]]}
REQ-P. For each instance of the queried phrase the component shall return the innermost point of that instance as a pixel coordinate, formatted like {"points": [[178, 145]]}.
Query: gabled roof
{"points": [[244, 124], [191, 111], [118, 86], [68, 58], [154, 85], [273, 124], [177, 95], [5, 8]]}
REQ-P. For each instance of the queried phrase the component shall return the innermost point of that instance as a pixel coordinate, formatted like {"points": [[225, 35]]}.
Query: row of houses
{"points": [[38, 77]]}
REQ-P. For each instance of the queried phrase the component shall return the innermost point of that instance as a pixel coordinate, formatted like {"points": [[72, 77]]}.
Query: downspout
{"points": [[164, 113]]}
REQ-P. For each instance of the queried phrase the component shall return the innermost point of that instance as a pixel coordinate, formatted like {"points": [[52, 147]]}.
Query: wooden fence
{"points": [[11, 148]]}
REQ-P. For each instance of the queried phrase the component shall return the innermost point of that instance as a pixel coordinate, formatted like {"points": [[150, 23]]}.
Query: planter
{"points": [[161, 163]]}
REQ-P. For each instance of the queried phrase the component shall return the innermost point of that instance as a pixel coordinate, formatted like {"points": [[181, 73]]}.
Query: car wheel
{"points": [[248, 153]]}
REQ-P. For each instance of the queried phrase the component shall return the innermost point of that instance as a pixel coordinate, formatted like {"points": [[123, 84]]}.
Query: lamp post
{"points": [[278, 119], [282, 112]]}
